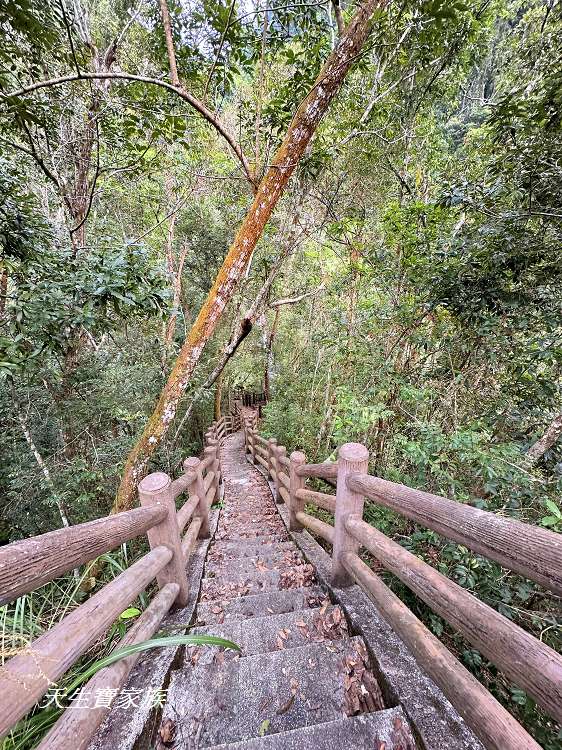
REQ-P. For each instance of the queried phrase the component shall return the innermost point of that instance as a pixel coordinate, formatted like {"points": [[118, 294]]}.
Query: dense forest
{"points": [[187, 209]]}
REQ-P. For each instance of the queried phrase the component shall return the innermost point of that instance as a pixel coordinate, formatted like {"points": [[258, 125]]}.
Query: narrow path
{"points": [[301, 680]]}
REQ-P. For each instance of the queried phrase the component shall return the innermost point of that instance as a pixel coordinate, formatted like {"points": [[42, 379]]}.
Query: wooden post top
{"points": [[191, 463], [354, 452], [155, 482], [298, 457]]}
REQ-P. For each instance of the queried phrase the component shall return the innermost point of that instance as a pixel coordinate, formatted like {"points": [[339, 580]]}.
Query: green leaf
{"points": [[553, 508], [135, 648], [129, 613]]}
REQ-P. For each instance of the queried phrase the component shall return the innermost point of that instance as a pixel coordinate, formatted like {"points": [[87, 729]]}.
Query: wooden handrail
{"points": [[33, 562], [188, 542], [196, 487], [26, 565], [77, 725], [321, 499], [208, 481], [326, 470], [532, 551], [284, 479], [316, 526], [260, 459], [51, 655], [523, 658], [186, 511], [284, 460], [261, 449], [532, 665], [489, 720]]}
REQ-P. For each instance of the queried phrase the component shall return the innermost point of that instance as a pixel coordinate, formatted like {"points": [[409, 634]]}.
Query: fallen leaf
{"points": [[286, 706], [167, 733]]}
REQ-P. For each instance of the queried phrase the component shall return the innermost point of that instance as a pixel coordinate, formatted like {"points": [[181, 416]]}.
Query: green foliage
{"points": [[554, 520], [32, 614], [427, 211]]}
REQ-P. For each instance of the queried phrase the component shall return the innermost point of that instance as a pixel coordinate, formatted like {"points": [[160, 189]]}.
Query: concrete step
{"points": [[386, 729], [259, 605], [261, 533], [248, 548], [242, 514], [261, 635], [230, 587], [229, 701], [225, 566]]}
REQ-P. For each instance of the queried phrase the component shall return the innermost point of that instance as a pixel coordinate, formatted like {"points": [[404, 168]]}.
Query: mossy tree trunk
{"points": [[270, 189]]}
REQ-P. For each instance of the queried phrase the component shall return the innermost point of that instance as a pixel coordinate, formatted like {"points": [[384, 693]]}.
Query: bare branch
{"points": [[178, 90], [299, 298], [93, 185], [167, 25], [215, 61]]}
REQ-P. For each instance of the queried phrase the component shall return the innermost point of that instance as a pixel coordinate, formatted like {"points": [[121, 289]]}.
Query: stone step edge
{"points": [[383, 722]]}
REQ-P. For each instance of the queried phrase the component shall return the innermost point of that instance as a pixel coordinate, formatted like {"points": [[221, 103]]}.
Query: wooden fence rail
{"points": [[26, 565], [533, 552]]}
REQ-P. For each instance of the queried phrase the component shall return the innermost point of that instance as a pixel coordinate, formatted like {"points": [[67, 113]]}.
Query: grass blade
{"points": [[173, 640]]}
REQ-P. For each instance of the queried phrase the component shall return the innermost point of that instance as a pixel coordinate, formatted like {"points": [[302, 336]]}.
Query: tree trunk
{"points": [[176, 300], [271, 187], [44, 468], [241, 330], [339, 17], [3, 291], [174, 268], [218, 398], [268, 369], [545, 443]]}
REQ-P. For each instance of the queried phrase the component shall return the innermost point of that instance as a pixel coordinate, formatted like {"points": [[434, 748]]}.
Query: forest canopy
{"points": [[202, 197]]}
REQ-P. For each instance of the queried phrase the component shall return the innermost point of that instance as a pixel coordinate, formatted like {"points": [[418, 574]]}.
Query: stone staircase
{"points": [[302, 679]]}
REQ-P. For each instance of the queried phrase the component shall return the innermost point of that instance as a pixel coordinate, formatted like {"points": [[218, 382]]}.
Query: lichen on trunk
{"points": [[270, 189]]}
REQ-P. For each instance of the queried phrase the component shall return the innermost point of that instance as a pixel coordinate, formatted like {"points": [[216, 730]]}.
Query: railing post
{"points": [[352, 458], [271, 448], [213, 451], [196, 487], [252, 443], [280, 451], [155, 490], [297, 483]]}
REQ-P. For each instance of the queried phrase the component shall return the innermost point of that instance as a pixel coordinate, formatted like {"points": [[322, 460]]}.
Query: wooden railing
{"points": [[531, 551], [251, 398], [28, 564]]}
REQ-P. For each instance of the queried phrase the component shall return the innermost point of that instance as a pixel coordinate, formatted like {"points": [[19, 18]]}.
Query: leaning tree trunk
{"points": [[241, 330], [543, 444], [271, 187]]}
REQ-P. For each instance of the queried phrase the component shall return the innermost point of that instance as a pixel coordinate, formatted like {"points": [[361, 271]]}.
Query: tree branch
{"points": [[178, 90], [299, 298], [167, 25], [339, 17], [219, 50]]}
